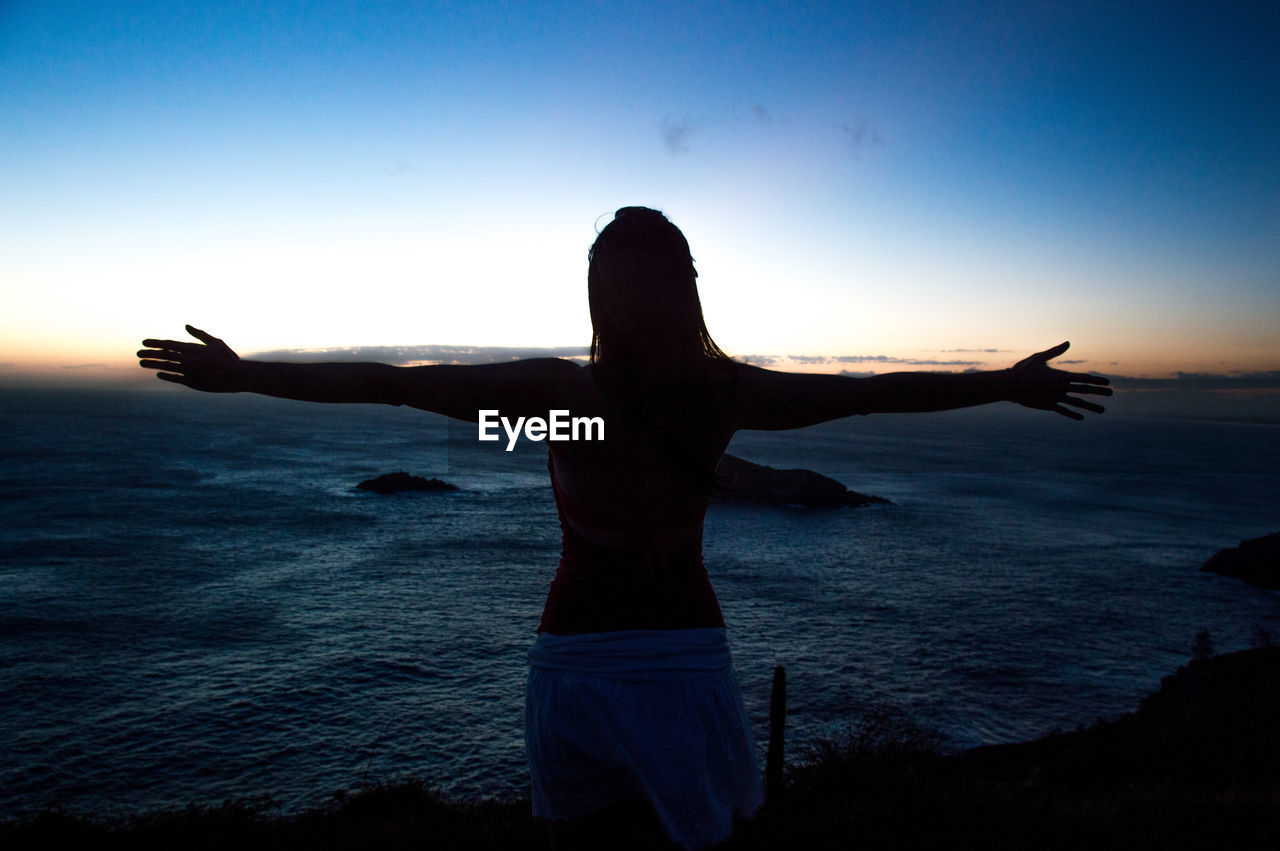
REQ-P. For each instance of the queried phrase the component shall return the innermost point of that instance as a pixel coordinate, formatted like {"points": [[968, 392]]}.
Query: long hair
{"points": [[650, 347], [643, 293]]}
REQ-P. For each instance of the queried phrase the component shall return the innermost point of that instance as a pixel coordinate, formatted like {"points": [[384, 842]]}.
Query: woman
{"points": [[633, 718]]}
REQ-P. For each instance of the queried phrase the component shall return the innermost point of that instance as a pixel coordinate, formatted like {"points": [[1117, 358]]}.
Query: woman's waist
{"points": [[619, 538], [646, 559], [633, 592], [633, 652]]}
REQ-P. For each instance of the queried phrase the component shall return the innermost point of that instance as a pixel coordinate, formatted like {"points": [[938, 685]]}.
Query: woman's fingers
{"points": [[160, 354], [207, 339], [1090, 389], [209, 352], [148, 363], [172, 345], [1083, 405], [175, 358], [1050, 354], [1089, 378]]}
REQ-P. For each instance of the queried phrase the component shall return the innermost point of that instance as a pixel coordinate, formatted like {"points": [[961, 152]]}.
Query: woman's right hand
{"points": [[209, 365], [1035, 384]]}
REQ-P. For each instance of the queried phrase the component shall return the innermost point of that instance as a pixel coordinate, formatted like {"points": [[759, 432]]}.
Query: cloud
{"points": [[675, 135], [903, 361], [426, 354], [84, 366], [432, 354], [1241, 396], [976, 351], [859, 134], [1267, 380], [821, 360]]}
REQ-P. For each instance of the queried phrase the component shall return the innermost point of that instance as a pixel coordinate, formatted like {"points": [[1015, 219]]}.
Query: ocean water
{"points": [[196, 604]]}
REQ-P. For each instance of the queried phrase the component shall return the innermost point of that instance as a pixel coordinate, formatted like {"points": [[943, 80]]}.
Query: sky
{"points": [[865, 186]]}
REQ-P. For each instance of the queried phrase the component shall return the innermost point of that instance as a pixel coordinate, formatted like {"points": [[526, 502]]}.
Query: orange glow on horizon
{"points": [[86, 364]]}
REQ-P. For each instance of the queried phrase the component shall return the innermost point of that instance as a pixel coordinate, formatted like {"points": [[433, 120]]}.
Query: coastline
{"points": [[1136, 527], [1196, 764]]}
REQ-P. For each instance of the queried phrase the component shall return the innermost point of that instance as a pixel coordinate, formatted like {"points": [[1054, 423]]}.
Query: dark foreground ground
{"points": [[1196, 766]]}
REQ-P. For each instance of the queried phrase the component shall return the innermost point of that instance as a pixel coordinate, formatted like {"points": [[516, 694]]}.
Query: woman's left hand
{"points": [[1035, 384], [209, 365]]}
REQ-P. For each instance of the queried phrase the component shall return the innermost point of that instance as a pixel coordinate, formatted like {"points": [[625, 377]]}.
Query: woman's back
{"points": [[651, 469], [631, 507]]}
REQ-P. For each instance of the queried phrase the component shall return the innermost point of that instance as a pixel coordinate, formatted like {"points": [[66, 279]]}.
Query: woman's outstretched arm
{"points": [[518, 387], [780, 400]]}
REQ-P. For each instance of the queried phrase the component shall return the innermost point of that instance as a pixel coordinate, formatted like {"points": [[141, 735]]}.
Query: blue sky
{"points": [[905, 183]]}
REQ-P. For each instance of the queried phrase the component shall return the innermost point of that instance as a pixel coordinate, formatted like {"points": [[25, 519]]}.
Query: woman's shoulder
{"points": [[559, 367]]}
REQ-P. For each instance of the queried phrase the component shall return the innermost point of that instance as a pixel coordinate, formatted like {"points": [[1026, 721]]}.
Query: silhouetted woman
{"points": [[633, 718]]}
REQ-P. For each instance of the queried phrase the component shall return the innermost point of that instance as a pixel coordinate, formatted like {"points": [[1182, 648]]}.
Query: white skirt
{"points": [[641, 714]]}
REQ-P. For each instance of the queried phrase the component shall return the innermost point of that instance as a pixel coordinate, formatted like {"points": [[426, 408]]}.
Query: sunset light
{"points": [[881, 184]]}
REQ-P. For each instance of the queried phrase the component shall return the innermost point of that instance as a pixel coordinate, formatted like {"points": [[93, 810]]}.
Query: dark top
{"points": [[641, 583]]}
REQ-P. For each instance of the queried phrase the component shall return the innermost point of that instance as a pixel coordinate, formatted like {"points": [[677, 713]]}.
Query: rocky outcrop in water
{"points": [[397, 482], [1256, 561], [747, 482]]}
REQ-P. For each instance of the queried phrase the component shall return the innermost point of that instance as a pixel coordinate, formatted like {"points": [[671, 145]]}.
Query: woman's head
{"points": [[643, 292]]}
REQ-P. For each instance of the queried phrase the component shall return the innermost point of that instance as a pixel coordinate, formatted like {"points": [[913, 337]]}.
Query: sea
{"points": [[198, 605]]}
